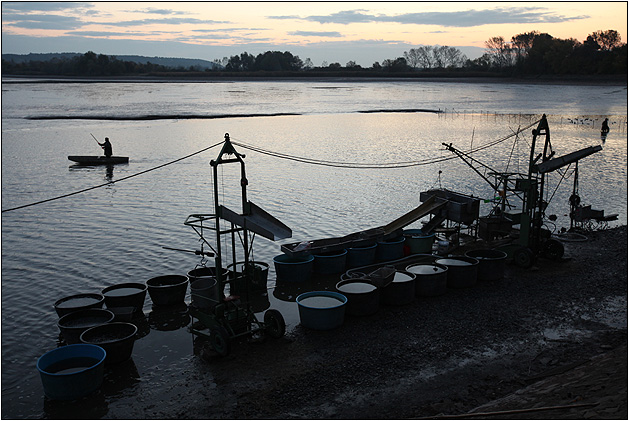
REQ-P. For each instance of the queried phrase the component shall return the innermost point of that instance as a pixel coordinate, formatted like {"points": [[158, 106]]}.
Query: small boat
{"points": [[98, 160]]}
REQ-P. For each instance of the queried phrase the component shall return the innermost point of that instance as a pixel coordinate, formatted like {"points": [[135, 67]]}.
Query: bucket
{"points": [[330, 262], [392, 249], [72, 371], [126, 295], [462, 271], [363, 297], [205, 272], [442, 247], [258, 274], [116, 339], [491, 263], [321, 310], [167, 290], [73, 324], [361, 256], [401, 290], [204, 293], [78, 302], [430, 279], [418, 242], [293, 269]]}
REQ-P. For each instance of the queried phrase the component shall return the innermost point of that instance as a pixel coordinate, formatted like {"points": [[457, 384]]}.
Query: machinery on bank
{"points": [[533, 239], [223, 318]]}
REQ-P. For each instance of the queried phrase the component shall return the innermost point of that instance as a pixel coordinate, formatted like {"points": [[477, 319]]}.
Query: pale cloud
{"points": [[43, 6], [160, 11], [460, 19], [41, 21], [164, 21], [331, 34]]}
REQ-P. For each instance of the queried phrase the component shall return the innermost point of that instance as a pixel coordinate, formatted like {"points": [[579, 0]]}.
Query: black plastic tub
{"points": [[462, 271], [401, 290], [78, 302], [116, 339], [72, 325], [491, 263], [363, 297], [126, 295], [430, 279], [168, 290]]}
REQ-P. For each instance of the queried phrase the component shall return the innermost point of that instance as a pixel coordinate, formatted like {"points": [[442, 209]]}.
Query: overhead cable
{"points": [[362, 165], [109, 183]]}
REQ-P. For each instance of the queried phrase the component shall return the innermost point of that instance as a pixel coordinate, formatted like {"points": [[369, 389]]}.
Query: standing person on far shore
{"points": [[604, 128], [106, 145]]}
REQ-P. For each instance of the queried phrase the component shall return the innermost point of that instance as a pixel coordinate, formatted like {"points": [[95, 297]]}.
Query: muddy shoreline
{"points": [[443, 356], [606, 80], [549, 342]]}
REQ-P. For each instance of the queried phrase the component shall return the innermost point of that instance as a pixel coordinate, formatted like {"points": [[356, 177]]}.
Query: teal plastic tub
{"points": [[418, 242], [293, 269], [361, 256], [321, 310], [72, 371], [392, 249], [330, 263]]}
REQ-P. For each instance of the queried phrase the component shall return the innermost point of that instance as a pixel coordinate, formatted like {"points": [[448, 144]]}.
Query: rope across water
{"points": [[338, 164]]}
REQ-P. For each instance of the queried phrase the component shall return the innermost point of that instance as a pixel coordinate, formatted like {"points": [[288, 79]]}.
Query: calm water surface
{"points": [[116, 234]]}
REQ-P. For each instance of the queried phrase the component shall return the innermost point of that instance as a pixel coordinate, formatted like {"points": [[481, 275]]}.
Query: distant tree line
{"points": [[539, 53], [88, 64], [531, 53]]}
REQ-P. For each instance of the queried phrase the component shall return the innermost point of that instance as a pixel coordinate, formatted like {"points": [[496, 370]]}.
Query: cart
{"points": [[226, 318]]}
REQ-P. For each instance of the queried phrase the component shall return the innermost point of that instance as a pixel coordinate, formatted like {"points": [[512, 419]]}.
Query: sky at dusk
{"points": [[363, 32]]}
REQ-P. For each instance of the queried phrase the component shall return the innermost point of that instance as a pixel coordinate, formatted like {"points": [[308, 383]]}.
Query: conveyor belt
{"points": [[364, 238]]}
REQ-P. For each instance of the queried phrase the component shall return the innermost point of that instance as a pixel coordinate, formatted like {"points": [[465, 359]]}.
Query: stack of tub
{"points": [[93, 338]]}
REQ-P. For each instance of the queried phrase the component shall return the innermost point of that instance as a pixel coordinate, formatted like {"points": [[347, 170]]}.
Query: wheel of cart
{"points": [[523, 257], [274, 323], [220, 340], [553, 249]]}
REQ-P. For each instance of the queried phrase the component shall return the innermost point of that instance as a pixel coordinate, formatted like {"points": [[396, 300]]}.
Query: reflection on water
{"points": [[112, 235]]}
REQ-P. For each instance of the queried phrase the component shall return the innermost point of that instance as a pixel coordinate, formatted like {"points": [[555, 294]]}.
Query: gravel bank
{"points": [[555, 335]]}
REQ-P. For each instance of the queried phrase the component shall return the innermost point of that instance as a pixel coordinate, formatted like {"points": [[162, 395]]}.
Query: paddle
{"points": [[95, 139]]}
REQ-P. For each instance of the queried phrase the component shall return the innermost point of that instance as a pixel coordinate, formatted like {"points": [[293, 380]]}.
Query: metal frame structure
{"points": [[231, 318], [533, 239]]}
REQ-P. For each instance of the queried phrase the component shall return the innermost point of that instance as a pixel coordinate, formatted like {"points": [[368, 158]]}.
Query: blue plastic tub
{"points": [[293, 269], [321, 310], [361, 256], [331, 262], [390, 249], [72, 371], [418, 242]]}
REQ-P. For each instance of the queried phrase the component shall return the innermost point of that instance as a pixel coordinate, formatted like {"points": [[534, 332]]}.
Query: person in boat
{"points": [[106, 145], [605, 128]]}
